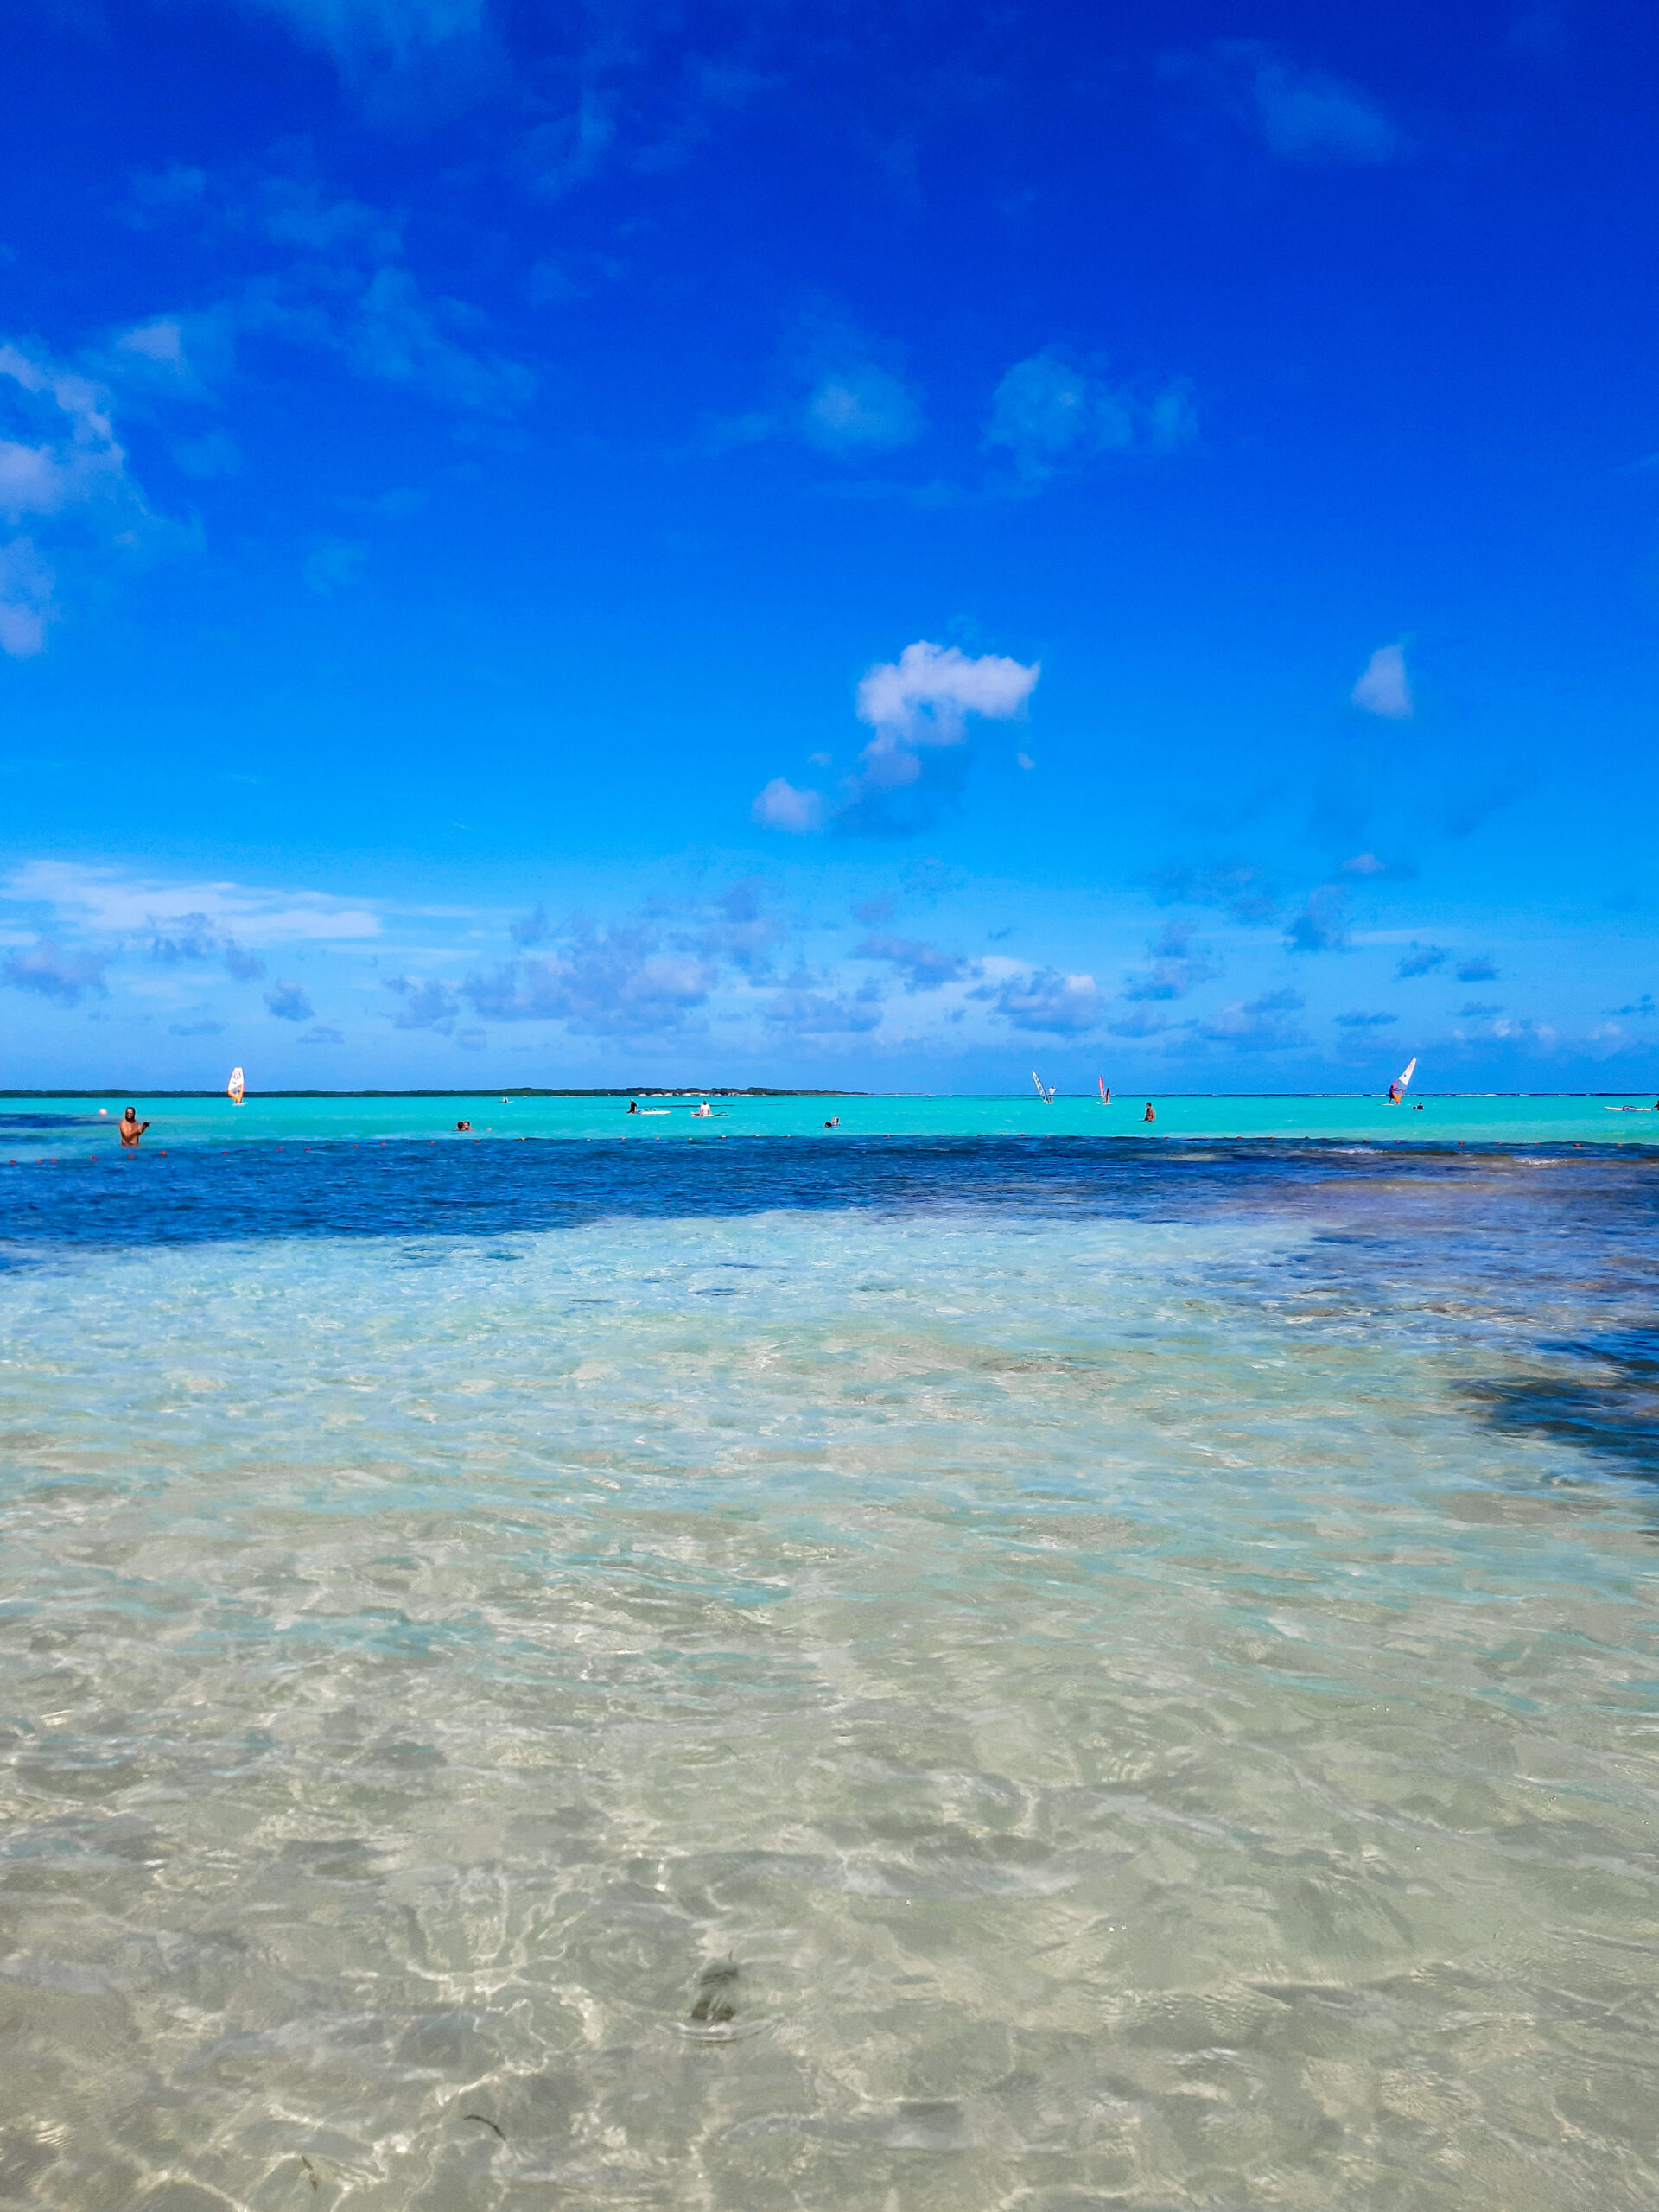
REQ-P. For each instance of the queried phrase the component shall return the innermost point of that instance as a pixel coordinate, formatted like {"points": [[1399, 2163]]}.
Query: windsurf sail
{"points": [[1043, 1091], [1105, 1095], [1397, 1088], [234, 1088]]}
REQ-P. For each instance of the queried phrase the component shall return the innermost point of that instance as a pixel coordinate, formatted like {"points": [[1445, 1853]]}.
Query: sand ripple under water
{"points": [[920, 1675]]}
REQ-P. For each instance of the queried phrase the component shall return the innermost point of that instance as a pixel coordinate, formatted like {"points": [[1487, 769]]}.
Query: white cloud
{"points": [[111, 901], [1385, 689], [925, 698], [918, 703], [780, 806], [1048, 413]]}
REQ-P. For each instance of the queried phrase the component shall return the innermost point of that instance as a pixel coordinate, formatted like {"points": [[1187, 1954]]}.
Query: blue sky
{"points": [[795, 544]]}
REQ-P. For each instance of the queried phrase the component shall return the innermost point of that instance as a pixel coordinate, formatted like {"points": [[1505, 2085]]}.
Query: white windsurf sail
{"points": [[1402, 1081], [234, 1089], [1043, 1091]]}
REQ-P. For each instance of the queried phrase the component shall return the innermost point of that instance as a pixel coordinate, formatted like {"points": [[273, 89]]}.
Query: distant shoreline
{"points": [[761, 1090]]}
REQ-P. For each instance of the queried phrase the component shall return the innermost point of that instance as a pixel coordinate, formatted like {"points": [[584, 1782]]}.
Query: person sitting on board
{"points": [[131, 1128], [1148, 1115]]}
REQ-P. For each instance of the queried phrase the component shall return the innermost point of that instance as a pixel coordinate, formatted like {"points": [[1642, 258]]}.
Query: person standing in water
{"points": [[1148, 1115], [131, 1128]]}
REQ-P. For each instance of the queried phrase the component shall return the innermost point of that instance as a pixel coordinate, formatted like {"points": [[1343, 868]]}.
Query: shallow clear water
{"points": [[1142, 1658], [33, 1129]]}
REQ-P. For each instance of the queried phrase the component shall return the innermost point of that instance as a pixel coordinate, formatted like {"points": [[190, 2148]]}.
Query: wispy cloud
{"points": [[922, 966], [51, 973], [114, 901], [1384, 688], [838, 390], [1320, 927], [1049, 413], [783, 806], [359, 35], [288, 1003], [742, 931], [1421, 960], [425, 1005], [335, 566], [338, 283], [1048, 1002], [1260, 1025], [1301, 115], [1364, 1021], [1176, 967], [62, 471], [1248, 893], [802, 1008], [604, 984], [861, 408], [1482, 969]]}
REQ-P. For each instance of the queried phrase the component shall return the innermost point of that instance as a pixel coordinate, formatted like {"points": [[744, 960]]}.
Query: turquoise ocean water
{"points": [[31, 1125], [939, 1669]]}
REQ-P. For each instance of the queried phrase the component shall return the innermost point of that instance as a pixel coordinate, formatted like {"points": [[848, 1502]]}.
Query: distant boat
{"points": [[1043, 1091], [1397, 1088], [1105, 1095], [234, 1088]]}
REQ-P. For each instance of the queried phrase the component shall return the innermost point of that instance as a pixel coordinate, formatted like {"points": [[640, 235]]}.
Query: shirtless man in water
{"points": [[131, 1127]]}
